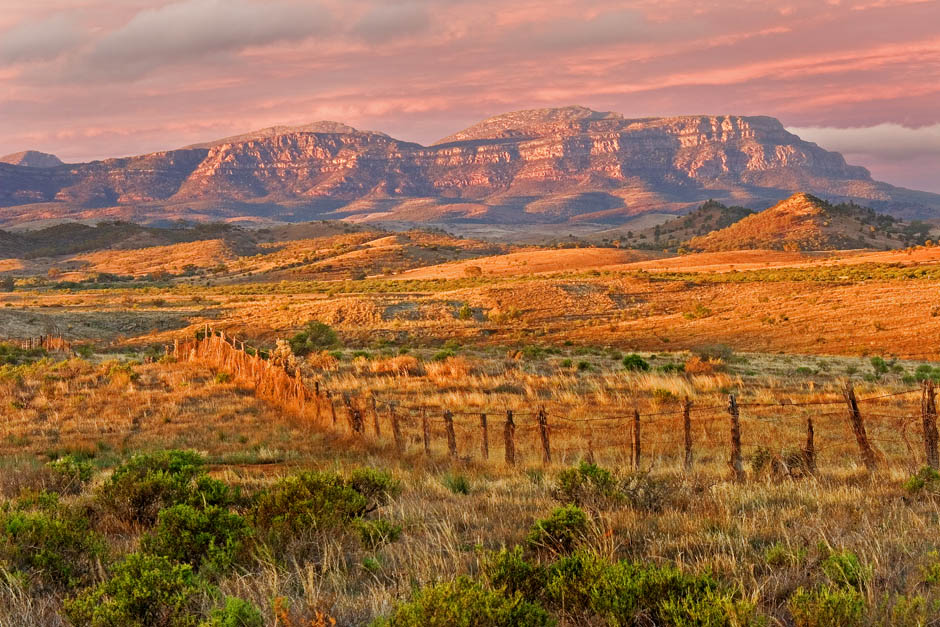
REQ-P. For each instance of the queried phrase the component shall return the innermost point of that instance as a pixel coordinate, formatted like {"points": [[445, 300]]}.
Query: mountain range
{"points": [[568, 165]]}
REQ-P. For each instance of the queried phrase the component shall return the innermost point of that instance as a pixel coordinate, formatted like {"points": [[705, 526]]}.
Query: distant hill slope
{"points": [[805, 222], [548, 166], [32, 159], [711, 216]]}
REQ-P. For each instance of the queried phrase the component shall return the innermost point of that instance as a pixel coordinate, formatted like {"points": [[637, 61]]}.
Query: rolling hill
{"points": [[805, 222]]}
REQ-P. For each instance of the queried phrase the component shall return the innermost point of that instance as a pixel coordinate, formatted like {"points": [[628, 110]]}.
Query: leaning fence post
{"points": [[809, 453], [636, 439], [451, 436], [426, 429], [737, 468], [329, 398], [858, 426], [509, 433], [687, 428], [396, 431], [542, 419], [929, 412], [375, 419], [485, 442]]}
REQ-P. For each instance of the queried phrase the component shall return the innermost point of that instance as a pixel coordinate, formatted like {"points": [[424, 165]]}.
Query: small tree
{"points": [[315, 336]]}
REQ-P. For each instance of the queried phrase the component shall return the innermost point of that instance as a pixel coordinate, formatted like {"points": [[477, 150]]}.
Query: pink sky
{"points": [[91, 79]]}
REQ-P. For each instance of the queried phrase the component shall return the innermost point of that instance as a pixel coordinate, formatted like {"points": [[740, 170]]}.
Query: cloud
{"points": [[610, 27], [888, 141], [43, 40], [391, 21], [191, 30]]}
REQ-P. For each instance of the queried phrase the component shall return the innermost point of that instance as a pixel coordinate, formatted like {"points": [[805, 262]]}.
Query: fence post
{"points": [[354, 415], [329, 398], [485, 443], [396, 431], [636, 439], [426, 428], [737, 468], [542, 419], [929, 412], [858, 426], [687, 428], [509, 434], [809, 453], [451, 436], [375, 419]]}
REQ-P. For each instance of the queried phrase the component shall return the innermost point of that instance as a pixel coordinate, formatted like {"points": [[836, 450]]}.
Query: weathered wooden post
{"points": [[636, 439], [737, 467], [542, 419], [929, 412], [396, 430], [426, 429], [509, 434], [485, 442], [329, 399], [809, 453], [375, 419], [451, 436], [687, 430], [858, 427]]}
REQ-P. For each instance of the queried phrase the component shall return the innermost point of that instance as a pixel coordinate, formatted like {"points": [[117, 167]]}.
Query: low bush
{"points": [[147, 483], [70, 474], [456, 483], [51, 543], [926, 479], [560, 532], [586, 484], [235, 613], [143, 591], [635, 363], [317, 501], [465, 603], [374, 533], [843, 568], [209, 538], [315, 336], [588, 589], [827, 607]]}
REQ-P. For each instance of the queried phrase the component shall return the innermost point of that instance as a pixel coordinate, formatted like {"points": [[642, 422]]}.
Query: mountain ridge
{"points": [[566, 165]]}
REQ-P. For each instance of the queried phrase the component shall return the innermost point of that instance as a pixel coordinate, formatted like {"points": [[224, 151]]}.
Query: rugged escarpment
{"points": [[553, 165]]}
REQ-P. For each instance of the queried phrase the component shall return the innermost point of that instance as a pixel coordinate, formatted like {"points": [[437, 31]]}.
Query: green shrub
{"points": [[465, 603], [236, 613], [50, 542], [593, 590], [375, 533], [587, 484], [636, 363], [564, 528], [208, 538], [456, 483], [926, 479], [465, 312], [316, 336], [843, 568], [827, 607], [143, 591], [320, 500], [443, 355], [147, 483], [70, 474]]}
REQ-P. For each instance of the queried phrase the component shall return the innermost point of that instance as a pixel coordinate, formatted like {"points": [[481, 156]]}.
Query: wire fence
{"points": [[896, 429]]}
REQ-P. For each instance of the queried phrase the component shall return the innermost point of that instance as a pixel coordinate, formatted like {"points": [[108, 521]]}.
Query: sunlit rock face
{"points": [[552, 165]]}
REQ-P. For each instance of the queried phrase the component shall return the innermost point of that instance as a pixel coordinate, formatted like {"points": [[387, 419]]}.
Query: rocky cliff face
{"points": [[530, 166]]}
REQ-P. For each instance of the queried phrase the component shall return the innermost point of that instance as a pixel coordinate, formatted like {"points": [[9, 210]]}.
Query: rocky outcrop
{"points": [[551, 165], [32, 159]]}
